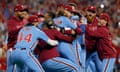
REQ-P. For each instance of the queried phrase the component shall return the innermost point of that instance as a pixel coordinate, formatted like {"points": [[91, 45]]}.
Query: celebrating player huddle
{"points": [[59, 42]]}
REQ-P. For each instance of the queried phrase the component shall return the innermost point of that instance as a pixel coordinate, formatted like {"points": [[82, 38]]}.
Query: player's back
{"points": [[27, 37], [63, 21]]}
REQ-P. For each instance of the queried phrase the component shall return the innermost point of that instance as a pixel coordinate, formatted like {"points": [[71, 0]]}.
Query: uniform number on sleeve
{"points": [[27, 38]]}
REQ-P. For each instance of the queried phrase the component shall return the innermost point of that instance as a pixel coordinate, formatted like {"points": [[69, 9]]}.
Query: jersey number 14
{"points": [[27, 38]]}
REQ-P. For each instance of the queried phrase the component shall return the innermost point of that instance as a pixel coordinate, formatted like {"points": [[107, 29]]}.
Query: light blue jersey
{"points": [[28, 36], [21, 54], [63, 21], [65, 49]]}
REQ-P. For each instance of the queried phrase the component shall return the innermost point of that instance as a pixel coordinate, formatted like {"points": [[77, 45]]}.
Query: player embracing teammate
{"points": [[106, 51], [66, 54]]}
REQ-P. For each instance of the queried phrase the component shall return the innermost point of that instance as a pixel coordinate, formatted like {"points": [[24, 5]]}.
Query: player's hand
{"points": [[52, 42], [58, 28]]}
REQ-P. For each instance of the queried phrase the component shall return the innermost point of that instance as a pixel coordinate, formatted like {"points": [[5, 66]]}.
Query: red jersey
{"points": [[104, 42], [89, 41], [46, 51], [14, 25]]}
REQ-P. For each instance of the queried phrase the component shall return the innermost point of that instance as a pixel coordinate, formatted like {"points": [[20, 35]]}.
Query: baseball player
{"points": [[62, 21], [106, 51], [49, 56], [80, 38], [14, 24], [27, 39], [74, 17], [93, 60]]}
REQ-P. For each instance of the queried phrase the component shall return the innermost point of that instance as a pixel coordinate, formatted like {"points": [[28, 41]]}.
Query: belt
{"points": [[19, 48]]}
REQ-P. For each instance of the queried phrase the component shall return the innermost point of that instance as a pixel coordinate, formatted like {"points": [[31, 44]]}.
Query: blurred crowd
{"points": [[110, 6]]}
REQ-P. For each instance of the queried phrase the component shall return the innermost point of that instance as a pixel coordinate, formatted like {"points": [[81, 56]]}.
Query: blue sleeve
{"points": [[83, 28], [42, 35], [70, 24]]}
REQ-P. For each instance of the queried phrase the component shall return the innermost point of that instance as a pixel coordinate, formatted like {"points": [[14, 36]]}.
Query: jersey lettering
{"points": [[27, 37], [20, 38]]}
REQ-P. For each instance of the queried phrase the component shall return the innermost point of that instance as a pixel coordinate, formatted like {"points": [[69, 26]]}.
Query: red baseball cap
{"points": [[33, 18], [39, 14], [91, 8], [105, 16], [68, 8], [18, 7]]}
